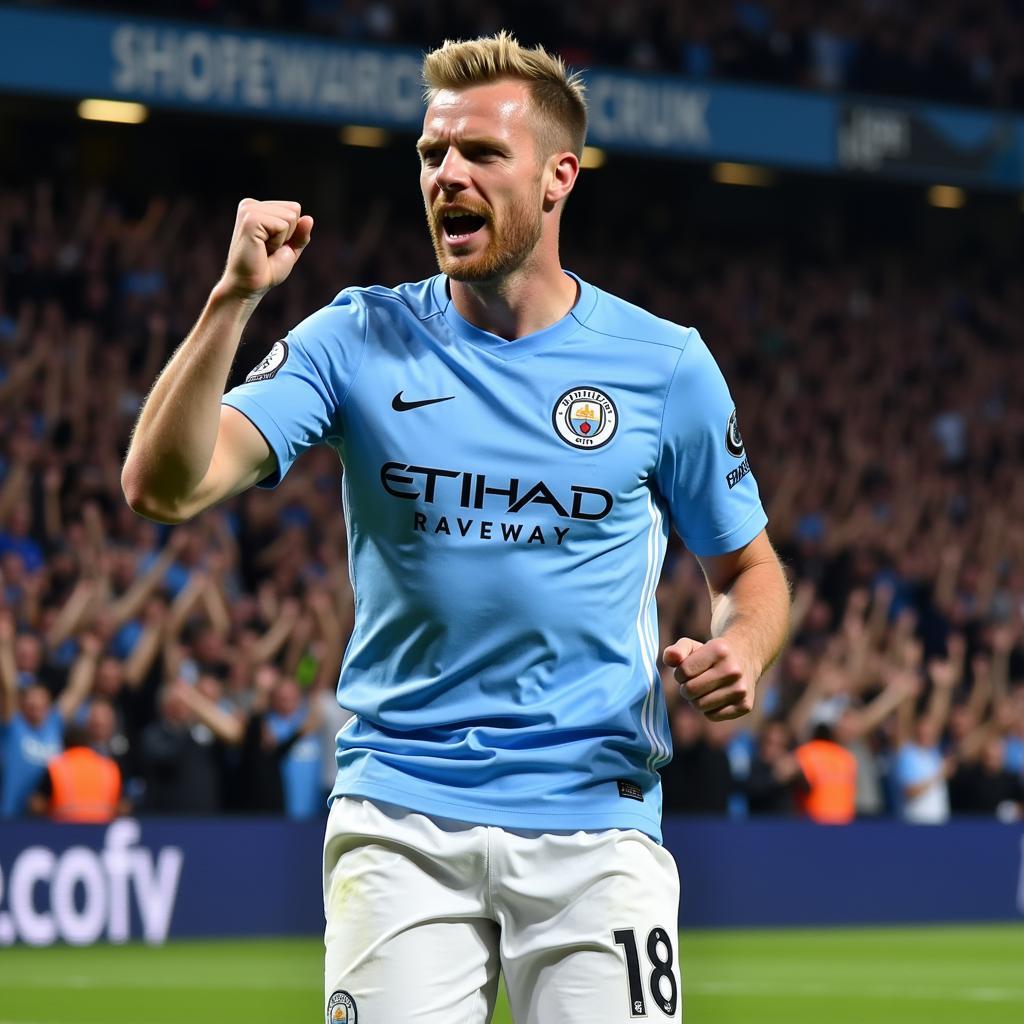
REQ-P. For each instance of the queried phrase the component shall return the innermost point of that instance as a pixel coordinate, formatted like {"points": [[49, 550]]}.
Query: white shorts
{"points": [[423, 912]]}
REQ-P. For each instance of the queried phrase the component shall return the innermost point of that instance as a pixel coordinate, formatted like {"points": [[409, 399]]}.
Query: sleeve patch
{"points": [[733, 440], [733, 477], [267, 367]]}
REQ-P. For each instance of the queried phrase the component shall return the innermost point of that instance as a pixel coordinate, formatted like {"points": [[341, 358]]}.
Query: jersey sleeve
{"points": [[296, 394], [703, 472]]}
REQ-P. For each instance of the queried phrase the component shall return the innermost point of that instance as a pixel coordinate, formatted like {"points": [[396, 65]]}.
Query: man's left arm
{"points": [[749, 622], [80, 678]]}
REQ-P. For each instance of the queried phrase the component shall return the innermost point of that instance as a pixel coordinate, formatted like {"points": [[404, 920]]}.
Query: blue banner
{"points": [[241, 72], [160, 879], [767, 873], [720, 122], [157, 879], [216, 70]]}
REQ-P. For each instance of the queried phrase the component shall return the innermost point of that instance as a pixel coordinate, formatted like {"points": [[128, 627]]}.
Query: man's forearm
{"points": [[173, 441], [8, 682], [753, 613]]}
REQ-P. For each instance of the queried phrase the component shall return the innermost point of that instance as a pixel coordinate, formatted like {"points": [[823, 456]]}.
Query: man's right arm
{"points": [[187, 451], [8, 669]]}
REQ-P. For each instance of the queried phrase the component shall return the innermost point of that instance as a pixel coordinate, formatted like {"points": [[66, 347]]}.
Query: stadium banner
{"points": [[158, 879], [165, 63], [919, 142], [152, 880], [272, 75], [657, 114]]}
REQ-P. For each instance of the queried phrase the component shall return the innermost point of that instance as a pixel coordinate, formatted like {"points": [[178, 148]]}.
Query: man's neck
{"points": [[523, 303]]}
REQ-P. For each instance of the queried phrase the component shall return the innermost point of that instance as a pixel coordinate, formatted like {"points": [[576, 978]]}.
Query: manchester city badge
{"points": [[585, 418], [341, 1008]]}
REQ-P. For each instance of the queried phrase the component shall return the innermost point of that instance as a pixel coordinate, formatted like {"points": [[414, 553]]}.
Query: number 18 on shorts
{"points": [[660, 982]]}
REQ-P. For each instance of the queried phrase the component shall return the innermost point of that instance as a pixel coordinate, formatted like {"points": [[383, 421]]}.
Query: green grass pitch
{"points": [[949, 975]]}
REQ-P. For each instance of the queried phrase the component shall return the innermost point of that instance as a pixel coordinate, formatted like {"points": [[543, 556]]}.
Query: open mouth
{"points": [[459, 226]]}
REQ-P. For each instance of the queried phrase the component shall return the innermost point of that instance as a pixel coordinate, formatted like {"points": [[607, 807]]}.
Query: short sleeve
{"points": [[295, 395], [703, 472]]}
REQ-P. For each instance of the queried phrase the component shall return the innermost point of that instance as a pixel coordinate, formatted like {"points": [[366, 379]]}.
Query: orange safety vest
{"points": [[831, 774], [86, 786]]}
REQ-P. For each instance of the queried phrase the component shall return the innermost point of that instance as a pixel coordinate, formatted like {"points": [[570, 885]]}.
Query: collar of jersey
{"points": [[529, 343]]}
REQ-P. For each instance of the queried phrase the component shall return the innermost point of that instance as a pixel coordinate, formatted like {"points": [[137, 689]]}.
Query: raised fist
{"points": [[266, 243], [713, 677]]}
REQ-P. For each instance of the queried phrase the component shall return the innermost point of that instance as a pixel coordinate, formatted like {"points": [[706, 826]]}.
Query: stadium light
{"points": [[112, 110], [947, 197], [363, 135], [741, 174], [593, 157]]}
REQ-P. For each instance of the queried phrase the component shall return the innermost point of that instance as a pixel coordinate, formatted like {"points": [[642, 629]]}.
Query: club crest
{"points": [[341, 1008], [585, 418]]}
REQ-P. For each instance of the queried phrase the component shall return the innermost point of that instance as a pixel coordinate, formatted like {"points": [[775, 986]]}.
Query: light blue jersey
{"points": [[25, 751], [508, 506]]}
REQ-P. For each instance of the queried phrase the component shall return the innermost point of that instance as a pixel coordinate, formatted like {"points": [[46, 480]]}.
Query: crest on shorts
{"points": [[341, 1008], [733, 440], [585, 418], [268, 366]]}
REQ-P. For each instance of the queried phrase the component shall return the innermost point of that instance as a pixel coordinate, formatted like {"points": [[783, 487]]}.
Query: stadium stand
{"points": [[960, 51], [880, 397]]}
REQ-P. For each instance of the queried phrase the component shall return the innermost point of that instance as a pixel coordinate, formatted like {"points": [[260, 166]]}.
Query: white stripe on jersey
{"points": [[642, 628], [651, 622]]}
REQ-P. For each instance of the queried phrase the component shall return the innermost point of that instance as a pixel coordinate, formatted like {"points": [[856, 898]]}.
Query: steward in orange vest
{"points": [[830, 771], [84, 786]]}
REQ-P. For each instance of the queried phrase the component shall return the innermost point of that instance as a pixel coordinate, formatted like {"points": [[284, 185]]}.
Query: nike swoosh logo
{"points": [[400, 405]]}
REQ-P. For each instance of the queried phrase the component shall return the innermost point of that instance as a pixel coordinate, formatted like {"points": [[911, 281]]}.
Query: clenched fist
{"points": [[268, 239], [713, 677]]}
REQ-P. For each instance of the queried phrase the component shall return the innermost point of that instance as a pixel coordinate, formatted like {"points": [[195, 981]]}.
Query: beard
{"points": [[512, 240]]}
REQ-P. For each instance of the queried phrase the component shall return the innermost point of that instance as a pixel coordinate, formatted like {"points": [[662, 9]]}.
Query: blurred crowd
{"points": [[962, 51], [880, 400]]}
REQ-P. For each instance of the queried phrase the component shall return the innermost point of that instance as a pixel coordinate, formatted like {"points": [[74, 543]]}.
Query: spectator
{"points": [[293, 725], [82, 784], [986, 786], [266, 737], [921, 771], [31, 724], [829, 771], [774, 773], [853, 730], [179, 761], [17, 538]]}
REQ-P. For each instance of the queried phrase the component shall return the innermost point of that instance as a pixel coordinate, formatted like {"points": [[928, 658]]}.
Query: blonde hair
{"points": [[557, 93]]}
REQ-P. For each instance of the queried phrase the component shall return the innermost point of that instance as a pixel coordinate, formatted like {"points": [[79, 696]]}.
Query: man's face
{"points": [[28, 652], [100, 724], [925, 733], [285, 699], [109, 677], [35, 705], [479, 155]]}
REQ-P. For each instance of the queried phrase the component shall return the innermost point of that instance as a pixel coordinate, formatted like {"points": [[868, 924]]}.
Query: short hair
{"points": [[558, 94], [824, 731]]}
